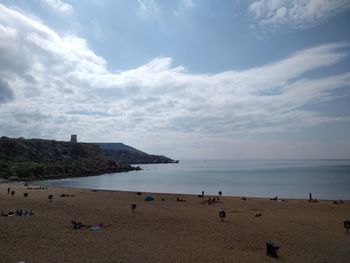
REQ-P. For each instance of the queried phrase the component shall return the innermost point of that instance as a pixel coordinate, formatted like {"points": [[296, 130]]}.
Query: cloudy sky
{"points": [[229, 79]]}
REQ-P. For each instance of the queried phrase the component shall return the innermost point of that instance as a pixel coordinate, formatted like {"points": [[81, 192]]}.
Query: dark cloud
{"points": [[6, 93]]}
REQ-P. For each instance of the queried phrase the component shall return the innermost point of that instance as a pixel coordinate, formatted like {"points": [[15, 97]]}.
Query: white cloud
{"points": [[59, 6], [183, 6], [187, 3], [296, 14], [148, 6], [56, 85], [151, 7]]}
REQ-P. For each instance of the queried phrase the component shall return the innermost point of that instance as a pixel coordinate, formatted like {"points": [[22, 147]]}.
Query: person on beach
{"points": [[77, 225], [8, 190]]}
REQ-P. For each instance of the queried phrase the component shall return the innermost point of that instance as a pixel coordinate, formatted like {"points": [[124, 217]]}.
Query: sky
{"points": [[190, 79]]}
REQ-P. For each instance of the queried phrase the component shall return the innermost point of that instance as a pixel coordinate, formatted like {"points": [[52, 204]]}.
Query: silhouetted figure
{"points": [[202, 193], [13, 192], [133, 207], [310, 196], [347, 225], [222, 214], [8, 190]]}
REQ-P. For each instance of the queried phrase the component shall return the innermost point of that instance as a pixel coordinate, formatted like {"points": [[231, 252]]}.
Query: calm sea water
{"points": [[326, 179]]}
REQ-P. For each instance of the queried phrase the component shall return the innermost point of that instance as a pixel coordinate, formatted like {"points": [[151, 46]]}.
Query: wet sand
{"points": [[168, 231]]}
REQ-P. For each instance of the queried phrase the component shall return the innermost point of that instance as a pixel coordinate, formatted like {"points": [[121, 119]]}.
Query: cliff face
{"points": [[130, 155], [43, 159]]}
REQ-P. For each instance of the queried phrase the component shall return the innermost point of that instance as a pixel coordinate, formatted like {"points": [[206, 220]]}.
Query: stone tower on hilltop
{"points": [[73, 138]]}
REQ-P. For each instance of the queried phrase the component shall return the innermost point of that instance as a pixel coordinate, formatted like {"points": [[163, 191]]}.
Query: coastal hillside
{"points": [[22, 159], [127, 154]]}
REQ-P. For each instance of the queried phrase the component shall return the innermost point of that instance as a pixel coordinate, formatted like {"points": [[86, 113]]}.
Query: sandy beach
{"points": [[168, 230]]}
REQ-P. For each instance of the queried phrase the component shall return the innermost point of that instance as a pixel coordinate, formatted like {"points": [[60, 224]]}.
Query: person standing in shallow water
{"points": [[8, 190], [310, 196]]}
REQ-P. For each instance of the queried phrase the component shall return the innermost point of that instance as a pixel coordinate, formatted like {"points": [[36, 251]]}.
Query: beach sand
{"points": [[168, 231]]}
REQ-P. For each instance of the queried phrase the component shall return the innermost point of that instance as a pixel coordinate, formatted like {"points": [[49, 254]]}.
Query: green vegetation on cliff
{"points": [[127, 154], [35, 159]]}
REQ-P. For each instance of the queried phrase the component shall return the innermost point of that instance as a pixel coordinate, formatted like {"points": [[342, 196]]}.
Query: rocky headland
{"points": [[127, 154], [37, 159]]}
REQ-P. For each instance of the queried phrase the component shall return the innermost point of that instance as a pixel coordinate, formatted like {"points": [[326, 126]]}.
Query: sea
{"points": [[325, 179]]}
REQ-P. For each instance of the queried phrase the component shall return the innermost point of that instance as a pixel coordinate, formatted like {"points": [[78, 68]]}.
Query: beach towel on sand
{"points": [[95, 228]]}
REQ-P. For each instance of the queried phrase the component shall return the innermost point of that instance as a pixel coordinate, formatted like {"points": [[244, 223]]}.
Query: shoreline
{"points": [[175, 193], [172, 228], [250, 197], [133, 167], [57, 177]]}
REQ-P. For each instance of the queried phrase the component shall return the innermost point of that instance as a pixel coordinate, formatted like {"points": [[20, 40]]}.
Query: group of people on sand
{"points": [[66, 195], [211, 200], [277, 199], [37, 188], [180, 200], [338, 202], [19, 212], [10, 192], [314, 200], [24, 212], [79, 225]]}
